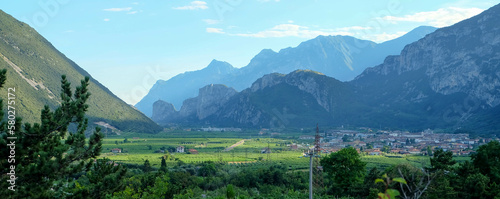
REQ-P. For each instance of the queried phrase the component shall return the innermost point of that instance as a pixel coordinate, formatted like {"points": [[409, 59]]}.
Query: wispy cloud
{"points": [[215, 30], [438, 18], [132, 12], [354, 28], [292, 30], [194, 5], [118, 9], [106, 19], [211, 21]]}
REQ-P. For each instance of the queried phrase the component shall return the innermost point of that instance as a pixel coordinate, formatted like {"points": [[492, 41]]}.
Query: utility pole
{"points": [[233, 156], [311, 154], [268, 151], [317, 170]]}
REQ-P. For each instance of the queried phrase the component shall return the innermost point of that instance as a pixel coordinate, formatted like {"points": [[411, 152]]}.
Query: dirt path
{"points": [[234, 145]]}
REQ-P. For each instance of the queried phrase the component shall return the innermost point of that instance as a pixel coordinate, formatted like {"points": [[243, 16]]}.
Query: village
{"points": [[397, 142]]}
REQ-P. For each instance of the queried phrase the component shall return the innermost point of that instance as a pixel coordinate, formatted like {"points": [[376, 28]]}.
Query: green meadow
{"points": [[136, 148]]}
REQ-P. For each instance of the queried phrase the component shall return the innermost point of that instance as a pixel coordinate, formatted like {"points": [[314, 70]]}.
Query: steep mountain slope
{"points": [[35, 68], [457, 67], [449, 79], [342, 57]]}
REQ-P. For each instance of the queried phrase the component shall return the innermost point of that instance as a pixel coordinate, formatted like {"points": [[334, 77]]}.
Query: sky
{"points": [[128, 45]]}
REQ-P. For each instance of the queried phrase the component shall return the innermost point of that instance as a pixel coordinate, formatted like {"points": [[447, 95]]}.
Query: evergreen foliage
{"points": [[442, 160], [46, 154]]}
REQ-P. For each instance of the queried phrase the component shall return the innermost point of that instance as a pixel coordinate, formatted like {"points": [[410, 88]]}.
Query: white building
{"points": [[180, 149]]}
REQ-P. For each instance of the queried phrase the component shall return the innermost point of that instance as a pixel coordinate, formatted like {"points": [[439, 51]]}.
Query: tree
{"points": [[386, 149], [368, 188], [345, 168], [429, 150], [46, 155], [146, 167], [207, 169], [150, 185], [441, 187], [442, 160], [102, 178], [163, 167], [346, 138], [487, 160], [475, 186], [230, 191]]}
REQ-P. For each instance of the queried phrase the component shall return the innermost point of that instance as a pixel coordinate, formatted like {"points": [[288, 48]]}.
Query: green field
{"points": [[210, 146]]}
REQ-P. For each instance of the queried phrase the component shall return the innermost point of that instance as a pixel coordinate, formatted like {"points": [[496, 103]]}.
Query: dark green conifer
{"points": [[46, 154]]}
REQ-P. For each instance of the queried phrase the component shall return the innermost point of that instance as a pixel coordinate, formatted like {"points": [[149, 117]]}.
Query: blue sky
{"points": [[129, 44]]}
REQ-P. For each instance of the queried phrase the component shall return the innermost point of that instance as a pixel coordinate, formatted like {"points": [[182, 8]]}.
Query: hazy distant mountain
{"points": [[448, 79], [34, 68], [185, 85], [341, 57]]}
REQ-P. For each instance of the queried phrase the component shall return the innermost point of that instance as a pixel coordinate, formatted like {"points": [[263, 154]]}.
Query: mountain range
{"points": [[34, 69], [449, 79], [341, 57]]}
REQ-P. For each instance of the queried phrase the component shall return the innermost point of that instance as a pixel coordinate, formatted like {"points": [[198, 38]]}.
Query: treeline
{"points": [[445, 178]]}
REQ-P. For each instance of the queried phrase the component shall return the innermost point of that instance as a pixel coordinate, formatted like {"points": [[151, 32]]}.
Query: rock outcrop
{"points": [[208, 101]]}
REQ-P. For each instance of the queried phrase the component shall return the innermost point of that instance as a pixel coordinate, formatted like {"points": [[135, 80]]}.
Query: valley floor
{"points": [[224, 147]]}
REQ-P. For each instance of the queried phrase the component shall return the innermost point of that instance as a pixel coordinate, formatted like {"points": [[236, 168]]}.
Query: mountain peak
{"points": [[221, 67], [306, 72], [265, 53], [219, 64]]}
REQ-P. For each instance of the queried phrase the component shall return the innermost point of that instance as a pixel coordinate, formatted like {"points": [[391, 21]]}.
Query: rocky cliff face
{"points": [[208, 101], [457, 67], [463, 58], [164, 111]]}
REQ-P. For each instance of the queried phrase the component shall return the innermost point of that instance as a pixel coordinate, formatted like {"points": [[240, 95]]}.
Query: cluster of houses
{"points": [[397, 142]]}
